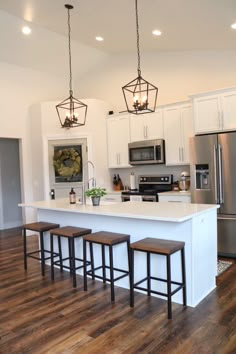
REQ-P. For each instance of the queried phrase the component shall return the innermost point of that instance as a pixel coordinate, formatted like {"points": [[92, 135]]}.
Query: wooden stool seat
{"points": [[155, 245], [105, 239], [39, 227], [71, 233], [164, 248]]}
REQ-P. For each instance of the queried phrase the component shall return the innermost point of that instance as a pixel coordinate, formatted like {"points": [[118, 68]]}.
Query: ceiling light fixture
{"points": [[26, 30], [233, 26], [156, 32], [140, 96], [71, 112], [99, 38]]}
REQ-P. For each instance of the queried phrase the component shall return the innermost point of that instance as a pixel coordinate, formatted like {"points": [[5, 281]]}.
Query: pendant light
{"points": [[140, 95], [71, 112]]}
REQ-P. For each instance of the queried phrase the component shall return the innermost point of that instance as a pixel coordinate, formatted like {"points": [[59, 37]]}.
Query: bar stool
{"points": [[109, 239], [39, 227], [165, 248], [71, 233]]}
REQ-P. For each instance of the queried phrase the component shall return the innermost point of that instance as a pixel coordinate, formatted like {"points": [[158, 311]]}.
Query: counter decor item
{"points": [[117, 183], [184, 182], [95, 194], [132, 182], [72, 196]]}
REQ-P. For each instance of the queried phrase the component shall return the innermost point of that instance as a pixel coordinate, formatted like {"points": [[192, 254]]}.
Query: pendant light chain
{"points": [[69, 45], [137, 31]]}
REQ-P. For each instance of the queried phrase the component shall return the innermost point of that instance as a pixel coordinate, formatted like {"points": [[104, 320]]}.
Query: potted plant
{"points": [[95, 194]]}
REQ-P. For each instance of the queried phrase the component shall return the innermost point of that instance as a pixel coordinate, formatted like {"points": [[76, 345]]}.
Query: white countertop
{"points": [[136, 210], [176, 193]]}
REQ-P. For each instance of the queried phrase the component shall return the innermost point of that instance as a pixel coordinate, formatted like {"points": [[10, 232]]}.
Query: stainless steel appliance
{"points": [[149, 186], [213, 180], [147, 152]]}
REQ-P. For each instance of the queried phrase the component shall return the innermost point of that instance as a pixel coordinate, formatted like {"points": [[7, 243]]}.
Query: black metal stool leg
{"points": [[85, 264], [73, 262], [183, 277], [52, 259], [103, 264], [111, 274], [70, 255], [60, 252], [42, 253], [129, 262], [148, 274], [91, 259], [25, 249], [131, 252], [169, 287]]}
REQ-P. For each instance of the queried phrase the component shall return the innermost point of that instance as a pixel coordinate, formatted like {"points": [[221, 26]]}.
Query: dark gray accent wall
{"points": [[10, 183]]}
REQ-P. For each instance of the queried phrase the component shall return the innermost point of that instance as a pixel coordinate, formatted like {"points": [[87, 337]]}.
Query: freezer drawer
{"points": [[227, 236]]}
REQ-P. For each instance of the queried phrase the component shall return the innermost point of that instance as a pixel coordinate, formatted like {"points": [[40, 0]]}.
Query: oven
{"points": [[149, 187]]}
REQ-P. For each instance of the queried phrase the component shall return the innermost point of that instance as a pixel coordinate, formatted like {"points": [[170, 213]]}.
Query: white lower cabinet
{"points": [[118, 137], [178, 127], [177, 197]]}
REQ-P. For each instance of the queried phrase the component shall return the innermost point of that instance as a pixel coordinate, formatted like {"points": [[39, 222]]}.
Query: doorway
{"points": [[10, 184]]}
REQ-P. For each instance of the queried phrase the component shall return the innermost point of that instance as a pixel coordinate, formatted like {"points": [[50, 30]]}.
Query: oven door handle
{"points": [[149, 198]]}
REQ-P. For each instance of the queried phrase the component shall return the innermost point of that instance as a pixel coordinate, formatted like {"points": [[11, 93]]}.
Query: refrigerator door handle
{"points": [[220, 174], [215, 174]]}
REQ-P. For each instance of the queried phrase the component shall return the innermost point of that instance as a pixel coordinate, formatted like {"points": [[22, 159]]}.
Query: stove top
{"points": [[152, 184]]}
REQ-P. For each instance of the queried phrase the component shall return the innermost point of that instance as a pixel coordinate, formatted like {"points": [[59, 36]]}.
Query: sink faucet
{"points": [[93, 177], [89, 179]]}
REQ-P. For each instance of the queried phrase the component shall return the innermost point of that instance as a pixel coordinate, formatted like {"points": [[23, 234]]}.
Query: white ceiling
{"points": [[186, 24]]}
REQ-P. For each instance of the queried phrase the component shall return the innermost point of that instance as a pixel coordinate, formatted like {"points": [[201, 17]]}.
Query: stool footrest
{"points": [[30, 254], [91, 273], [68, 267], [181, 286]]}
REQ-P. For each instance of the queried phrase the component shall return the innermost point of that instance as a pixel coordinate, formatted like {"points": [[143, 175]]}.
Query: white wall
{"points": [[176, 74], [19, 89]]}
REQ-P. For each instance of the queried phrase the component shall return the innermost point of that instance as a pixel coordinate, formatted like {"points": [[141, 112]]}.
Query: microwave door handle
{"points": [[220, 174], [215, 174]]}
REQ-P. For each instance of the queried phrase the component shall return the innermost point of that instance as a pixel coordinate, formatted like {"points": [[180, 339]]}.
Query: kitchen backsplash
{"points": [[146, 170]]}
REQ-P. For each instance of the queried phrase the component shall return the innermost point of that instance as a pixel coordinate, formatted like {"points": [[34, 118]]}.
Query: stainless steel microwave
{"points": [[147, 152]]}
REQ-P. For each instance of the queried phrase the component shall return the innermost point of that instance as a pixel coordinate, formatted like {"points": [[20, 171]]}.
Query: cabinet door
{"points": [[137, 130], [118, 137], [207, 115], [228, 114], [172, 133], [154, 125], [187, 131], [146, 126]]}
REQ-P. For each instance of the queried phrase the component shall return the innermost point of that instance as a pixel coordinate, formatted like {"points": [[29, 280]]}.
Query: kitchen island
{"points": [[195, 224]]}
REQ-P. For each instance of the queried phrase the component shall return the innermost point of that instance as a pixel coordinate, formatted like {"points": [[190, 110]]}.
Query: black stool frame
{"points": [[111, 267], [41, 257], [148, 278], [72, 259]]}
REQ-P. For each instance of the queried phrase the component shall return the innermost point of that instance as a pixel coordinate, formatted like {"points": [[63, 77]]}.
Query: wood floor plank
{"points": [[38, 316]]}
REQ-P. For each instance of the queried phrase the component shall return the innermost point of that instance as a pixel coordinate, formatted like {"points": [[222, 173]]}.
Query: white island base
{"points": [[195, 224]]}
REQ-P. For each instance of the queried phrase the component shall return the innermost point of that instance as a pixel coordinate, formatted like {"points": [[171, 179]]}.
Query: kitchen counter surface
{"points": [[147, 211]]}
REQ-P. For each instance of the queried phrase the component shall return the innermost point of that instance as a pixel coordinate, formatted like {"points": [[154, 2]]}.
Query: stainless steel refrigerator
{"points": [[213, 181]]}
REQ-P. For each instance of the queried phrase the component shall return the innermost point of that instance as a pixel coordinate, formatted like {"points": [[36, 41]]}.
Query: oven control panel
{"points": [[155, 179]]}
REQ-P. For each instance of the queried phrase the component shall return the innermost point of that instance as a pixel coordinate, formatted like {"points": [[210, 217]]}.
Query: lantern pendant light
{"points": [[140, 95], [71, 112]]}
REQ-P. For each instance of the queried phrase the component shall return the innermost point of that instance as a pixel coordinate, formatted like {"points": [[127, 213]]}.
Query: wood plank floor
{"points": [[38, 316]]}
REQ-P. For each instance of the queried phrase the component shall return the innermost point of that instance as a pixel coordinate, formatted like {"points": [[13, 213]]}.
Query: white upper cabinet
{"points": [[177, 130], [118, 137], [146, 126], [214, 111]]}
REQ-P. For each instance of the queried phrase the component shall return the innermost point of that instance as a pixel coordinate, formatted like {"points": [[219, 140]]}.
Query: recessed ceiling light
{"points": [[26, 30], [233, 26], [156, 32], [99, 38]]}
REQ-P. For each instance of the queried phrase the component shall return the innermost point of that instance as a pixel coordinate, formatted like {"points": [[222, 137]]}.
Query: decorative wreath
{"points": [[67, 162]]}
